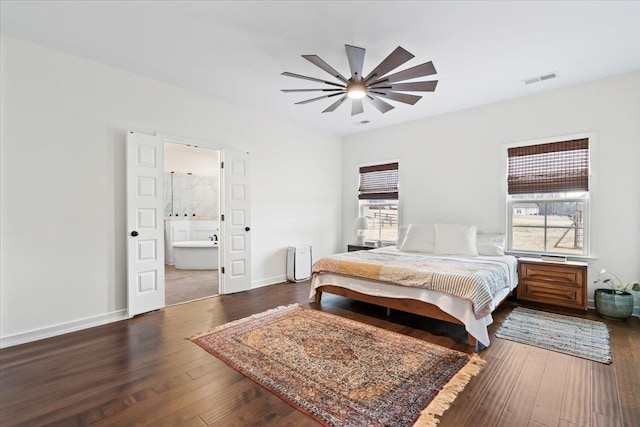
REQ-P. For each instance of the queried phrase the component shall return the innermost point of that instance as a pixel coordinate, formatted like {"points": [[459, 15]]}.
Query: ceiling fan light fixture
{"points": [[356, 91], [374, 86]]}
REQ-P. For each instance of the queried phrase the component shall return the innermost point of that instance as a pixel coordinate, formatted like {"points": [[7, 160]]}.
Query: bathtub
{"points": [[196, 255]]}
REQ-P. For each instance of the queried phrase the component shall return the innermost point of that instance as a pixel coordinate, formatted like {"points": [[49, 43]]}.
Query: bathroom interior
{"points": [[191, 212]]}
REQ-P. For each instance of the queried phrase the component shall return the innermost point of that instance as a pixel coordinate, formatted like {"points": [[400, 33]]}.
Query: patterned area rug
{"points": [[570, 335], [342, 372]]}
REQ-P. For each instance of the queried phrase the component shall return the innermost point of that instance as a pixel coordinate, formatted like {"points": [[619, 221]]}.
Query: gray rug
{"points": [[569, 335]]}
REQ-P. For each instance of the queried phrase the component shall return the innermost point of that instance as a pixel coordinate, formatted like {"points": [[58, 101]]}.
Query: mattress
{"points": [[459, 308]]}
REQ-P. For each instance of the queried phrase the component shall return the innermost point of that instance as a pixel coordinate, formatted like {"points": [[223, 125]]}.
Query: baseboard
{"points": [[62, 328], [102, 319], [89, 322], [268, 281]]}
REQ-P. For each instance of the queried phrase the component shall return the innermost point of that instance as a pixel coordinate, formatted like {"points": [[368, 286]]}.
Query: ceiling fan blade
{"points": [[382, 106], [395, 59], [429, 86], [400, 97], [318, 62], [421, 70], [313, 79], [355, 55], [335, 105], [416, 86], [319, 98], [311, 90], [356, 107]]}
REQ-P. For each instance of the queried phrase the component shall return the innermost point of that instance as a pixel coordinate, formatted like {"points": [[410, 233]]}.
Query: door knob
{"points": [[247, 229], [134, 233]]}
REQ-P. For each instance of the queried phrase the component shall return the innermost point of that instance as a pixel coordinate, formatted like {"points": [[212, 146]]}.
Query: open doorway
{"points": [[146, 223], [192, 222]]}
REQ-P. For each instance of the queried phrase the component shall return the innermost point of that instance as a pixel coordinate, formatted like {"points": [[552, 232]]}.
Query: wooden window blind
{"points": [[379, 182], [556, 167]]}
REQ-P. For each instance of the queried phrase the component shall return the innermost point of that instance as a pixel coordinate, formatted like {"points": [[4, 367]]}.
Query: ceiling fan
{"points": [[372, 87]]}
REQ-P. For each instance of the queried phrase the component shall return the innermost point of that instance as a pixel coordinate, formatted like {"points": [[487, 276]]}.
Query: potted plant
{"points": [[615, 302]]}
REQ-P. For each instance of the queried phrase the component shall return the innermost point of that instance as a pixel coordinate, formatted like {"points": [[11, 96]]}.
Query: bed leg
{"points": [[472, 341], [318, 296]]}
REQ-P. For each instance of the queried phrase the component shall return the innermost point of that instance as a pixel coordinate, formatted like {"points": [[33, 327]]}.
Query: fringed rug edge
{"points": [[446, 396], [243, 320]]}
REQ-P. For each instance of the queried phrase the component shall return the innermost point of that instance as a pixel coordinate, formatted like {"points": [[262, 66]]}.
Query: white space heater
{"points": [[298, 263]]}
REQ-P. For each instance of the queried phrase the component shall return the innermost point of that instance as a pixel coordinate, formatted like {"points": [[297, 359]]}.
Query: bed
{"points": [[460, 289]]}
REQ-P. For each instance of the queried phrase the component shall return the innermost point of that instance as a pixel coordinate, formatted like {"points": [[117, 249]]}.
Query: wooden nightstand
{"points": [[556, 283], [354, 247]]}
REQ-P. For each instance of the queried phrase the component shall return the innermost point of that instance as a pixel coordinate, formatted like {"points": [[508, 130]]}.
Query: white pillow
{"points": [[454, 239], [419, 238], [491, 244]]}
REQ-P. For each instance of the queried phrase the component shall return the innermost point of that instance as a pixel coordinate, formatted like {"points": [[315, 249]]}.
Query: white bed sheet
{"points": [[457, 307]]}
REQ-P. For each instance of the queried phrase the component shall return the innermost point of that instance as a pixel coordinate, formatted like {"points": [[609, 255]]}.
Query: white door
{"points": [[235, 222], [145, 228]]}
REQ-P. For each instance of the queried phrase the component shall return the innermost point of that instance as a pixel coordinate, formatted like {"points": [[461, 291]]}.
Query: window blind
{"points": [[556, 167], [379, 182]]}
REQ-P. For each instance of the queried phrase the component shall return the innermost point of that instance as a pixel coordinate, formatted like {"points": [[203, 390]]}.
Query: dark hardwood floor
{"points": [[144, 371]]}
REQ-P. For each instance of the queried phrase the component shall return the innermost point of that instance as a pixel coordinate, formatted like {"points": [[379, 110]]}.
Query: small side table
{"points": [[355, 247], [556, 283]]}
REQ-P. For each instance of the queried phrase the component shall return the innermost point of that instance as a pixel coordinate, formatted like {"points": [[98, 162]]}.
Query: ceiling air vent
{"points": [[541, 78], [364, 122]]}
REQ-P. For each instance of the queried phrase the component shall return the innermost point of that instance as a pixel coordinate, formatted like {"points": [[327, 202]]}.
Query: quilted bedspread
{"points": [[476, 280]]}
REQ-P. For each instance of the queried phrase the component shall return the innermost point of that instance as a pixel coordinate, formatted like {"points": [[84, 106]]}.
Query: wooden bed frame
{"points": [[403, 304]]}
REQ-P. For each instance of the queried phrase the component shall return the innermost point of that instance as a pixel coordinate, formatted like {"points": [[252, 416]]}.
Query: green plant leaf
{"points": [[636, 287]]}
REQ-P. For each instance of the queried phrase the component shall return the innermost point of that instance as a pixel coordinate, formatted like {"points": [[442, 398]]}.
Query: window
{"points": [[378, 201], [548, 197]]}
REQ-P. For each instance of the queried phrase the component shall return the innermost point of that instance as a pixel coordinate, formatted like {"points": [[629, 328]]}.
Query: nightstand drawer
{"points": [[553, 293], [552, 273]]}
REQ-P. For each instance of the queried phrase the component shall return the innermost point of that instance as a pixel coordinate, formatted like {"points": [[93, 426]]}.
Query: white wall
{"points": [[64, 120], [184, 159], [451, 166], [62, 198]]}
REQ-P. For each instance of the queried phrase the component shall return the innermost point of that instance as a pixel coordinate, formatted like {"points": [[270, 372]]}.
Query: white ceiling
{"points": [[236, 50]]}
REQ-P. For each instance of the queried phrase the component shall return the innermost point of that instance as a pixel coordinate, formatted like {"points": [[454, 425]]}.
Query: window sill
{"points": [[587, 258]]}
